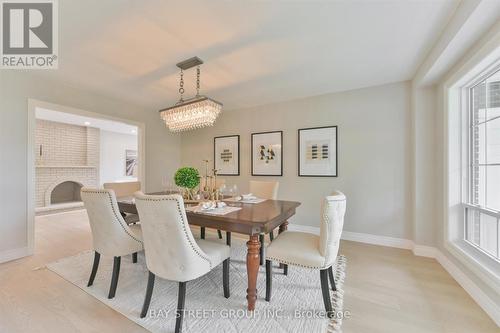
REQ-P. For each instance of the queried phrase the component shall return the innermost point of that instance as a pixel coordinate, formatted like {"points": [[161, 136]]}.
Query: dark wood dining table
{"points": [[252, 219]]}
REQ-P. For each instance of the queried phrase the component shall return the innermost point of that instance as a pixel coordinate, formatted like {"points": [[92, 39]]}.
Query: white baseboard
{"points": [[14, 254], [360, 237], [482, 299], [400, 243], [425, 251], [303, 228]]}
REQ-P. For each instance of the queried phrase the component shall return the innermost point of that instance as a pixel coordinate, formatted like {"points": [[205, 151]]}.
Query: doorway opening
{"points": [[71, 149]]}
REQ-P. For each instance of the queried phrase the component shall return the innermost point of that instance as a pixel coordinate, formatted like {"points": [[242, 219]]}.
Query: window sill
{"points": [[484, 267]]}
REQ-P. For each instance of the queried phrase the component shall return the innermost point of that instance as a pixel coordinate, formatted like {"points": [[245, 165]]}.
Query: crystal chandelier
{"points": [[197, 112]]}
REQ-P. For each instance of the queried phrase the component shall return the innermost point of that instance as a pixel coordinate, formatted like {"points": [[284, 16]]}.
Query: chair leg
{"points": [[97, 257], [261, 239], [180, 307], [202, 232], [271, 235], [149, 293], [326, 292], [225, 277], [332, 280], [134, 257], [228, 238], [114, 278], [219, 233], [269, 279], [285, 269]]}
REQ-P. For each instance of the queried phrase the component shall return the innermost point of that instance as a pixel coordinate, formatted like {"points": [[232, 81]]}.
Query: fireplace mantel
{"points": [[66, 166]]}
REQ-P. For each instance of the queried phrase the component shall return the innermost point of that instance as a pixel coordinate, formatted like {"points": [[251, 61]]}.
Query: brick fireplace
{"points": [[67, 158]]}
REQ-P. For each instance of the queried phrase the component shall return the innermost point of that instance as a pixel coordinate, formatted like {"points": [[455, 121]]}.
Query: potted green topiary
{"points": [[188, 178]]}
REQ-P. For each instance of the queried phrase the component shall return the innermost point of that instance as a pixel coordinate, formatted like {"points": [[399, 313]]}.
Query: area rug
{"points": [[296, 304]]}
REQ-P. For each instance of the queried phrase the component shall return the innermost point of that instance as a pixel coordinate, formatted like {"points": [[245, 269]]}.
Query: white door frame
{"points": [[30, 176]]}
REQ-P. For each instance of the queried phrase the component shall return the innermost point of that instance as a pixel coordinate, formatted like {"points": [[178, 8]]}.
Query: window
{"points": [[482, 209]]}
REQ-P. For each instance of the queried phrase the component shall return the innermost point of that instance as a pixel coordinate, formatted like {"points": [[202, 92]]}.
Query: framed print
{"points": [[227, 155], [267, 153], [318, 152], [131, 163]]}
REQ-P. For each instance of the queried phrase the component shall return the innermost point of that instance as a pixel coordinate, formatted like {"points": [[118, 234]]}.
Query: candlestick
{"points": [[206, 188]]}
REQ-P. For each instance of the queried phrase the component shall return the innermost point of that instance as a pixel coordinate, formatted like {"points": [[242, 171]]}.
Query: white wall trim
{"points": [[30, 179], [303, 228], [482, 299], [14, 254], [478, 265], [425, 251], [399, 243]]}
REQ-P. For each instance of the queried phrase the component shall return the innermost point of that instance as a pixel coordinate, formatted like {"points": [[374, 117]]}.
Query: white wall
{"points": [[162, 148], [374, 155], [112, 155], [424, 111], [436, 184]]}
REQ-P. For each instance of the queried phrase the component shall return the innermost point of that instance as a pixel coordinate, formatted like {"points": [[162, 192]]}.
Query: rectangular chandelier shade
{"points": [[191, 114]]}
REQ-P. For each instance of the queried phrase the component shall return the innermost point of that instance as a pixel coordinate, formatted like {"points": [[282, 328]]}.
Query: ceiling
{"points": [[74, 119], [255, 52]]}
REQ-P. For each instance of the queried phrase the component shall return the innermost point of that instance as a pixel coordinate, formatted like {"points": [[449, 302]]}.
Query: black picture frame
{"points": [[215, 164], [252, 151], [336, 152]]}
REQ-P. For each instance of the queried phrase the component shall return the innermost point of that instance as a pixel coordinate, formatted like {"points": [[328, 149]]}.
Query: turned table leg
{"points": [[283, 227], [253, 257]]}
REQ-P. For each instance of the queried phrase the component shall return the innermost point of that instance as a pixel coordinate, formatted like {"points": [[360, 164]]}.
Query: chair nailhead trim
{"points": [[114, 211], [295, 264], [201, 255], [327, 221]]}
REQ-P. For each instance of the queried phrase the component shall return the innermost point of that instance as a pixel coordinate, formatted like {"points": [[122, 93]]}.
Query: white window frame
{"points": [[467, 202], [485, 211], [453, 100]]}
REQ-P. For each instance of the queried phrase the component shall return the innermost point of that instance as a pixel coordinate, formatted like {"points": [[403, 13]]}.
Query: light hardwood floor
{"points": [[386, 290]]}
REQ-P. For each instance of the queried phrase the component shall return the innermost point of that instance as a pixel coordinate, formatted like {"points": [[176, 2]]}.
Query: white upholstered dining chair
{"points": [[312, 251], [264, 190], [125, 189], [111, 235], [171, 251]]}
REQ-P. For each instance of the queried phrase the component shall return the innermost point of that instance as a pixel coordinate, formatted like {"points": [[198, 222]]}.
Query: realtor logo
{"points": [[29, 34]]}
